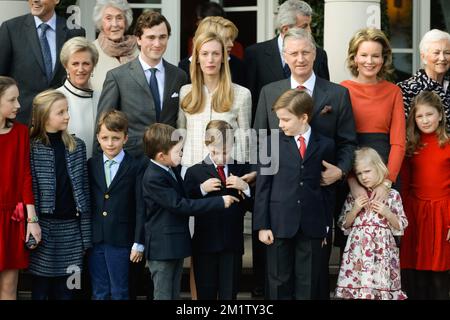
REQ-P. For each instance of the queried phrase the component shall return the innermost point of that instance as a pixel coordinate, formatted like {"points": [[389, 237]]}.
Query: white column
{"points": [[171, 9], [342, 19], [86, 10], [12, 9]]}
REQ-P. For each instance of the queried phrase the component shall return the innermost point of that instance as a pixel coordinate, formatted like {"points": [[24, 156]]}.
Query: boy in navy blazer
{"points": [[117, 209], [218, 241], [167, 210], [292, 211]]}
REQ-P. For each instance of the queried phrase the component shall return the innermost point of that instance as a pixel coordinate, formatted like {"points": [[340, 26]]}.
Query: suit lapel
{"points": [[33, 40], [273, 59], [137, 73], [61, 36], [123, 168], [168, 85], [99, 172], [319, 95], [210, 169], [291, 146], [312, 147]]}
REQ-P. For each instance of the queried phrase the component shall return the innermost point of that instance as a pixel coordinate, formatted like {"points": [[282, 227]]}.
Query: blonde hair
{"points": [[222, 26], [223, 97], [371, 157], [370, 34], [42, 105], [413, 133], [77, 44]]}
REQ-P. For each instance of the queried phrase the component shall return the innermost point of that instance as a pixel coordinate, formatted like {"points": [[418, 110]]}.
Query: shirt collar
{"points": [[145, 66], [214, 164], [280, 48], [308, 84], [160, 165], [117, 159], [51, 22], [305, 135]]}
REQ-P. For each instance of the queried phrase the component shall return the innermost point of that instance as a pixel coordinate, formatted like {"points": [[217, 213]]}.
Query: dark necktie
{"points": [[155, 93], [46, 53], [302, 148], [221, 172], [286, 71]]}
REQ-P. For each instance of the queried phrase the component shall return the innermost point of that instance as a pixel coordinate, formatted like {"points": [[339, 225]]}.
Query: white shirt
{"points": [[117, 161], [308, 84], [160, 76], [306, 136], [50, 34]]}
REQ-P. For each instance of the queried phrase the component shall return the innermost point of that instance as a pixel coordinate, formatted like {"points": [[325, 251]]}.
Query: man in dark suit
{"points": [[264, 61], [30, 47], [332, 113], [145, 89], [291, 211]]}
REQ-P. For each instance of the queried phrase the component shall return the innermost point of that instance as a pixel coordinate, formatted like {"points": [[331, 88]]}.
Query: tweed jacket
{"points": [[44, 183]]}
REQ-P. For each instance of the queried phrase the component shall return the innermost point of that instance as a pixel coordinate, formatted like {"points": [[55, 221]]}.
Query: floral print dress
{"points": [[370, 266]]}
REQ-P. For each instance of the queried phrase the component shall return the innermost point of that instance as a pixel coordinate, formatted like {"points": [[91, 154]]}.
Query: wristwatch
{"points": [[387, 184]]}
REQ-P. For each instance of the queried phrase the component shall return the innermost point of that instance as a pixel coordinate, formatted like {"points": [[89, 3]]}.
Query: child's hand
{"points": [[250, 178], [210, 185], [362, 202], [236, 183], [265, 236], [136, 256], [380, 208], [228, 200]]}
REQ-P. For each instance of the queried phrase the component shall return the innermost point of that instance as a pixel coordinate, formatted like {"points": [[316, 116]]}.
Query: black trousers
{"points": [[294, 268], [217, 275]]}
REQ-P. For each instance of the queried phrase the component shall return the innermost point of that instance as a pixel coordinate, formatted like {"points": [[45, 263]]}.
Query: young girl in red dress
{"points": [[15, 192], [425, 177]]}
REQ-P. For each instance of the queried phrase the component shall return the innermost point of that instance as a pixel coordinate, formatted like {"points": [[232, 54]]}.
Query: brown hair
{"points": [[160, 137], [113, 120], [222, 98], [5, 84], [42, 105], [149, 19], [370, 156], [218, 133], [376, 35], [413, 132], [297, 102]]}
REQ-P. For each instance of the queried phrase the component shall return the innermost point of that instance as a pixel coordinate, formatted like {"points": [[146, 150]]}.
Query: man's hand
{"points": [[265, 236], [136, 256], [330, 175]]}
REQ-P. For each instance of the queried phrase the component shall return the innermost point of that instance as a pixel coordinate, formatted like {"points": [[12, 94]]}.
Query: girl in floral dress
{"points": [[370, 267]]}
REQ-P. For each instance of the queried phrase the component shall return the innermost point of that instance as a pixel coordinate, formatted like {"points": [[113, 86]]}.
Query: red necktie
{"points": [[302, 148], [221, 173]]}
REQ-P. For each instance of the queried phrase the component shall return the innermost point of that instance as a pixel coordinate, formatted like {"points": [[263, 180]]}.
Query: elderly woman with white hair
{"points": [[79, 57], [112, 18], [435, 56]]}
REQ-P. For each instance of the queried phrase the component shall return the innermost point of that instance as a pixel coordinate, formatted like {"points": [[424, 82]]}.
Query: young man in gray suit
{"points": [[30, 47], [145, 89], [332, 117]]}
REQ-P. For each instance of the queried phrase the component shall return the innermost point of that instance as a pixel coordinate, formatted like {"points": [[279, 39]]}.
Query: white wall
{"points": [[11, 9], [342, 19]]}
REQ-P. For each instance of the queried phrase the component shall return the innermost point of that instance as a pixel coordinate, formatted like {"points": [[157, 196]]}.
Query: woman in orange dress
{"points": [[425, 248]]}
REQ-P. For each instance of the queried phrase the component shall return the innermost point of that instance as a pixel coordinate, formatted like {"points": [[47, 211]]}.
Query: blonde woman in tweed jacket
{"points": [[212, 96]]}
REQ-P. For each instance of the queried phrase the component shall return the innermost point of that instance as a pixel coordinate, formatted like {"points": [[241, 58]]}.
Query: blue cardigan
{"points": [[44, 182]]}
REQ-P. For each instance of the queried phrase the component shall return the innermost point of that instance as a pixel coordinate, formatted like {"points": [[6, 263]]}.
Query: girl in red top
{"points": [[425, 176], [15, 192]]}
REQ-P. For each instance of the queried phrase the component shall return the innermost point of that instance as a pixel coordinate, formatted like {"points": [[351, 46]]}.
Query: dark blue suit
{"points": [[218, 242], [296, 208]]}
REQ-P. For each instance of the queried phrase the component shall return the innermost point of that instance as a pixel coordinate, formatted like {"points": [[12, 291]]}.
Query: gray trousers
{"points": [[166, 276]]}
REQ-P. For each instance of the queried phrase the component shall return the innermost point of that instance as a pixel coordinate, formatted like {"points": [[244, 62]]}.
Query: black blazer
{"points": [[167, 212], [21, 58], [332, 116], [126, 89], [117, 211], [292, 198], [263, 65], [224, 230], [236, 68]]}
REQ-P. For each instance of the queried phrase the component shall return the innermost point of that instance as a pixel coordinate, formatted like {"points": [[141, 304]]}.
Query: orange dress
{"points": [[426, 193], [378, 109]]}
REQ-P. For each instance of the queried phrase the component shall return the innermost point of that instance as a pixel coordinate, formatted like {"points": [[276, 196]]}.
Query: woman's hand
{"points": [[250, 178], [35, 230], [448, 235], [379, 193]]}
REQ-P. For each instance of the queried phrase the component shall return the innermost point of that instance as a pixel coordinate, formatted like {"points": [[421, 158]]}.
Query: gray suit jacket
{"points": [[332, 115], [126, 89], [21, 58]]}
